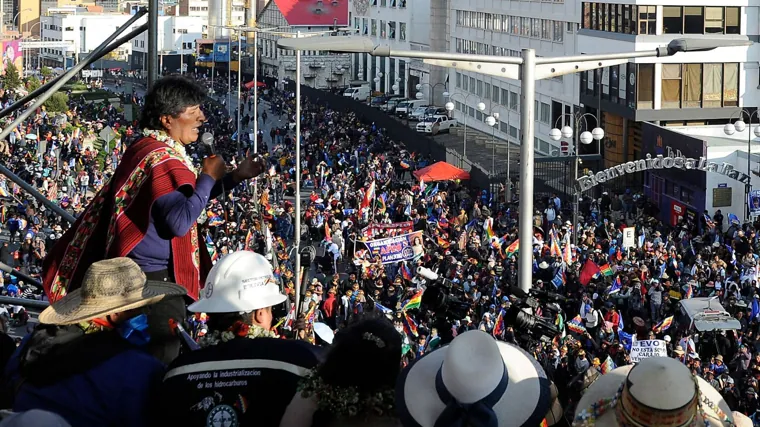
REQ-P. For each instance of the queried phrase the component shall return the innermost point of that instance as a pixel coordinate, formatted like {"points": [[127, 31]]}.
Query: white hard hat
{"points": [[240, 282]]}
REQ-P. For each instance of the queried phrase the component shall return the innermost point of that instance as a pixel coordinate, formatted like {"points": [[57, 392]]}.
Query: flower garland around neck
{"points": [[347, 402], [161, 136], [238, 330]]}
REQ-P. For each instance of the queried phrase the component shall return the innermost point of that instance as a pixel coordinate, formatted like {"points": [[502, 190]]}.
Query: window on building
{"points": [[731, 85], [514, 102], [480, 88], [402, 31], [373, 27], [714, 23], [545, 115], [459, 80], [671, 85], [693, 20], [647, 20], [495, 94], [712, 86], [392, 30], [513, 132], [732, 20], [546, 29], [383, 30], [692, 85], [558, 34], [535, 28], [672, 20], [586, 20], [505, 97], [383, 3], [644, 86], [487, 91]]}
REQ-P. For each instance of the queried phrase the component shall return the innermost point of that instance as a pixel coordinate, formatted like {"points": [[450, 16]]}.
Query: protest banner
{"points": [[645, 349], [629, 237], [399, 248], [391, 230]]}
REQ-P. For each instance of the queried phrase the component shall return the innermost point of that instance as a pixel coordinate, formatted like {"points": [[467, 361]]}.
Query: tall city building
{"points": [[319, 69], [505, 28]]}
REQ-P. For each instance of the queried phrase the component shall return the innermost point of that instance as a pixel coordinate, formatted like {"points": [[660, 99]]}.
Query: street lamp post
{"points": [[491, 121], [739, 126], [450, 107], [585, 138], [526, 68]]}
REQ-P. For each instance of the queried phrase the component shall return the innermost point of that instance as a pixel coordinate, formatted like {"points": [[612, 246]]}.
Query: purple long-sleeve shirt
{"points": [[172, 215]]}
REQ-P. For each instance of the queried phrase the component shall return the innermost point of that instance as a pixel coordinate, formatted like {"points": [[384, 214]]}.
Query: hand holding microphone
{"points": [[214, 167]]}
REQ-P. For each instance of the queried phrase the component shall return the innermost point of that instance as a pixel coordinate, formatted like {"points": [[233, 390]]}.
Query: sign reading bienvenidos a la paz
{"points": [[661, 162]]}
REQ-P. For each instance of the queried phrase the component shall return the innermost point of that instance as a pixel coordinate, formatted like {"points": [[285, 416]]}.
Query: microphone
{"points": [[207, 139]]}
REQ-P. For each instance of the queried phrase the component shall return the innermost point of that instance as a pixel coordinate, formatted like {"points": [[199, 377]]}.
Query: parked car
{"points": [[435, 124], [390, 103], [404, 109], [378, 101], [418, 113], [435, 111]]}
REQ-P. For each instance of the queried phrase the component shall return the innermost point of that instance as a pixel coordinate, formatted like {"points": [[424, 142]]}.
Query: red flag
{"points": [[589, 270]]}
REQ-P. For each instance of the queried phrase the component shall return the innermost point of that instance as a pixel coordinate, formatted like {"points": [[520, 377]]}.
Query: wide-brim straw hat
{"points": [[474, 376], [657, 392], [109, 286]]}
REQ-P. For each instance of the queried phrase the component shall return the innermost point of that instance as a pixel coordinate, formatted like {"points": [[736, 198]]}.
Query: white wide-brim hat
{"points": [[658, 391], [476, 377]]}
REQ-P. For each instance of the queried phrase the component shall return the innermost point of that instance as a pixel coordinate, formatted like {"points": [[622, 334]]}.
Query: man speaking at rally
{"points": [[148, 210]]}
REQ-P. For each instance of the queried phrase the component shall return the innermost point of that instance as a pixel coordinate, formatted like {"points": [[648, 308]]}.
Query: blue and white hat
{"points": [[475, 380]]}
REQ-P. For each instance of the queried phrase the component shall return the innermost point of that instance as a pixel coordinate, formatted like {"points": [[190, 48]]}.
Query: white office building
{"points": [[85, 31], [176, 40], [505, 28], [318, 68]]}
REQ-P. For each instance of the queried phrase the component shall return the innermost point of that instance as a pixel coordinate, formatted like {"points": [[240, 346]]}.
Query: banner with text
{"points": [[645, 349], [391, 230], [399, 248]]}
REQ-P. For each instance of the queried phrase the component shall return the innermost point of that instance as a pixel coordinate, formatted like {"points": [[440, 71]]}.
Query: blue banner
{"points": [[753, 201], [398, 248], [221, 52]]}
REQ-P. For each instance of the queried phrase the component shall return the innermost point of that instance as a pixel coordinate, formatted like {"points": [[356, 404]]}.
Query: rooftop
{"points": [[314, 12]]}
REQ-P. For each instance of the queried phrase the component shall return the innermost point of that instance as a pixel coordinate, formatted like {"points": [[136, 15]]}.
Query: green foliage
{"points": [[58, 102], [11, 79], [46, 72], [33, 83]]}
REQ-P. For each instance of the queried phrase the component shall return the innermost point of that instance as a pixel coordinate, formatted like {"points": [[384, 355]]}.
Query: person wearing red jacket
{"points": [[613, 317], [330, 309]]}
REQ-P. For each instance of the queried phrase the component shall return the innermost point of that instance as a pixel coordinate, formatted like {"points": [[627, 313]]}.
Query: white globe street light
{"points": [[729, 129], [418, 87], [481, 106], [419, 95], [490, 121], [379, 75], [597, 133], [567, 132], [555, 134], [395, 88], [450, 107], [757, 131], [377, 79], [446, 94], [740, 125], [586, 137], [496, 116], [398, 79]]}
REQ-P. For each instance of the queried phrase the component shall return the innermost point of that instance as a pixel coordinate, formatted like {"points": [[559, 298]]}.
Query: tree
{"points": [[11, 80], [57, 103], [46, 72], [33, 83]]}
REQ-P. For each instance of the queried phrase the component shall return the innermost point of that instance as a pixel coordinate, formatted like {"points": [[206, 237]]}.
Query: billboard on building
{"points": [[222, 51], [659, 140], [12, 54]]}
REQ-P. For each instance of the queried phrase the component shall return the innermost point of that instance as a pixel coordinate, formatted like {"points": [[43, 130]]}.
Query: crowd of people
{"points": [[409, 310]]}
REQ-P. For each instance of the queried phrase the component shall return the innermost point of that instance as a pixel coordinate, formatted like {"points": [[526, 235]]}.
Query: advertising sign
{"points": [[658, 140], [629, 237], [12, 54], [399, 248], [753, 201], [645, 349], [222, 51], [390, 230]]}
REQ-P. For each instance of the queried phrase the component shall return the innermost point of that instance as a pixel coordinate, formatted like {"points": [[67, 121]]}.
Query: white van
{"points": [[405, 108], [360, 93]]}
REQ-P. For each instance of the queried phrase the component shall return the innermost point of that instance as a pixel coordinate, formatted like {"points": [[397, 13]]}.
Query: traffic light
{"points": [[567, 148]]}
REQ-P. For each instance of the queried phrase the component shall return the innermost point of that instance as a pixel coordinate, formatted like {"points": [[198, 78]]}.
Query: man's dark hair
{"points": [[170, 96]]}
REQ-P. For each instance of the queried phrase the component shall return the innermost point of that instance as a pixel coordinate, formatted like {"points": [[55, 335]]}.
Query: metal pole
{"points": [[574, 227], [182, 54], [152, 42], [527, 115], [749, 174], [509, 177], [493, 150], [255, 93], [298, 178], [466, 111], [240, 81]]}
